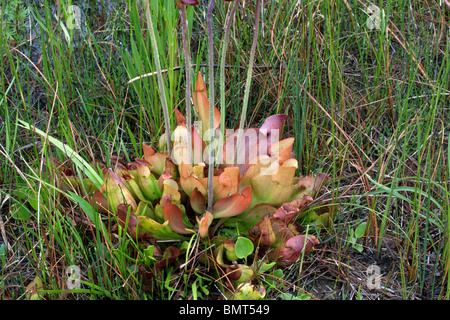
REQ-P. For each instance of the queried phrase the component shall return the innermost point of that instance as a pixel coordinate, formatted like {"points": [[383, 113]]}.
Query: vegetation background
{"points": [[368, 104]]}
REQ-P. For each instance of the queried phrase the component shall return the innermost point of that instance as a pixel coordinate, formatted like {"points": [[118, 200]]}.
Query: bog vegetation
{"points": [[224, 149]]}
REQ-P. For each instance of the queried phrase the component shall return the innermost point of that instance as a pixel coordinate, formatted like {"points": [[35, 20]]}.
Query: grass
{"points": [[368, 107]]}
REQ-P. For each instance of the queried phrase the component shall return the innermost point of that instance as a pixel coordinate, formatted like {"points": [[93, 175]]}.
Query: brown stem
{"points": [[187, 59], [249, 77], [211, 105]]}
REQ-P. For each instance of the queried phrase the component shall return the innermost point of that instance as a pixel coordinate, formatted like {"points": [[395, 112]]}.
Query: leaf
{"points": [[233, 205], [263, 234], [165, 233], [169, 256], [229, 250], [98, 201], [32, 291], [245, 273], [277, 187], [117, 192], [146, 224], [201, 105], [20, 212], [360, 230], [69, 152], [266, 266], [274, 280], [287, 254], [156, 160], [351, 236], [198, 201], [26, 194], [290, 296], [174, 215], [149, 258], [3, 250], [244, 247], [255, 142], [226, 183], [309, 186], [255, 215], [204, 223], [282, 149], [189, 182], [248, 291]]}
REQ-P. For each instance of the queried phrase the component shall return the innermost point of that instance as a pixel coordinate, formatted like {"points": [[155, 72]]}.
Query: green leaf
{"points": [[82, 164], [149, 259], [278, 273], [3, 251], [247, 220], [20, 212], [248, 291], [274, 280], [267, 266], [360, 230], [351, 235], [26, 194], [290, 296], [244, 247]]}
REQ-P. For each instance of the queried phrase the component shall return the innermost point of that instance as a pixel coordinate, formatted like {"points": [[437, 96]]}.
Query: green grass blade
{"points": [[84, 166]]}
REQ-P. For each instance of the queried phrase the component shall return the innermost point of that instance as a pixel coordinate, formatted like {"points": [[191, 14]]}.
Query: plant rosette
{"points": [[161, 196]]}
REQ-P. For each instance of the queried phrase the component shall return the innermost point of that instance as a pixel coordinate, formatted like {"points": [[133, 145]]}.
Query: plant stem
{"points": [[249, 78], [159, 75], [187, 59], [222, 76], [211, 105]]}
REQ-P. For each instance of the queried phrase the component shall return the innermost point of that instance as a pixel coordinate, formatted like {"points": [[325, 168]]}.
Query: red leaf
{"points": [[233, 205], [201, 105], [169, 256], [288, 253], [204, 223], [197, 201], [173, 213], [289, 211], [255, 142], [123, 214], [99, 201]]}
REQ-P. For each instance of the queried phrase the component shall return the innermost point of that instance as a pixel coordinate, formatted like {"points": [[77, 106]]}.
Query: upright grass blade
{"points": [[7, 124], [447, 197], [159, 75]]}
